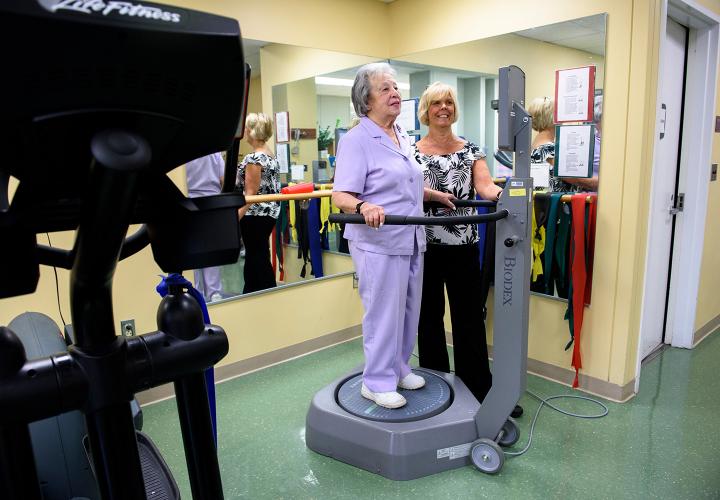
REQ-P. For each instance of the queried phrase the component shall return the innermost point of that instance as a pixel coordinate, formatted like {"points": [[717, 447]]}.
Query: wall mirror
{"points": [[320, 110], [540, 52], [294, 263]]}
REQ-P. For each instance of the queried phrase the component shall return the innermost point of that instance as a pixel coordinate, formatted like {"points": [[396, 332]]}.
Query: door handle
{"points": [[677, 207], [663, 120]]}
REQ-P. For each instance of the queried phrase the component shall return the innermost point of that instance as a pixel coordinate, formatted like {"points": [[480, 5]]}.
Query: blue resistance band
{"points": [[162, 289], [315, 238], [481, 233]]}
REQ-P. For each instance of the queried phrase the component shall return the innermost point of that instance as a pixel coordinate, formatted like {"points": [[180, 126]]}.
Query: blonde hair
{"points": [[260, 126], [542, 110], [435, 92]]}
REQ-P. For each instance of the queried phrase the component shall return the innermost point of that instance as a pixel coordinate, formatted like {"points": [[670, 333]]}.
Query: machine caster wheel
{"points": [[487, 456], [509, 434]]}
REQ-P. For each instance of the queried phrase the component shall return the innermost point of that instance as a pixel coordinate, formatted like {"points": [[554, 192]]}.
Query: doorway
{"points": [[666, 202], [681, 173]]}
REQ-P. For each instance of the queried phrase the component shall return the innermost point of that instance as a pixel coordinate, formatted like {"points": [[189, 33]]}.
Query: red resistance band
{"points": [[582, 241]]}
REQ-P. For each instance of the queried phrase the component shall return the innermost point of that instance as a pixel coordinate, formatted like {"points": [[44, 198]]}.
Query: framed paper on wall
{"points": [[282, 152], [574, 149], [282, 126], [574, 94]]}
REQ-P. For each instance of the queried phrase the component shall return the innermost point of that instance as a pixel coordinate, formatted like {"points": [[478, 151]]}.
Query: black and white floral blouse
{"points": [[541, 154], [451, 173], [269, 183]]}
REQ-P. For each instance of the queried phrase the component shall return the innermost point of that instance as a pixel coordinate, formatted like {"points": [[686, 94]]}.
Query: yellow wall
{"points": [[284, 64], [254, 106], [538, 60], [548, 330], [610, 333], [133, 291], [302, 104], [708, 304], [419, 25], [134, 295], [711, 5], [611, 325], [353, 26], [333, 263], [262, 323], [45, 299], [296, 67]]}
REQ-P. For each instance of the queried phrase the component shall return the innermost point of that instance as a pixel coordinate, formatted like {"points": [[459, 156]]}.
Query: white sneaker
{"points": [[215, 297], [384, 399], [411, 381]]}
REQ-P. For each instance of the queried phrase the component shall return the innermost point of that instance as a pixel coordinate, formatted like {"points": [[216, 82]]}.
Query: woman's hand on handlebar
{"points": [[442, 197], [374, 215]]}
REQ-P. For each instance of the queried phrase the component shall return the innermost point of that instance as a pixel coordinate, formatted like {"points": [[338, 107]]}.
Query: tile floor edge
{"points": [[704, 331]]}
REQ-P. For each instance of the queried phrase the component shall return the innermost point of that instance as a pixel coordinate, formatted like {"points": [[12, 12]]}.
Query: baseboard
{"points": [[565, 376], [586, 383], [245, 366], [548, 371], [706, 330]]}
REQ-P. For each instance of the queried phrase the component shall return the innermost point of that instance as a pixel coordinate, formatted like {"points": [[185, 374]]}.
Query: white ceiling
{"points": [[586, 33]]}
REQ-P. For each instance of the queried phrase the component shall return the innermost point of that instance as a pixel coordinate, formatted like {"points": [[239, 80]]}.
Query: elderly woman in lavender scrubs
{"points": [[376, 173]]}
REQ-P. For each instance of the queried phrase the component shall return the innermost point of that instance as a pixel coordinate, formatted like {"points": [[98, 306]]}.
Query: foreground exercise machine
{"points": [[100, 101], [60, 443], [443, 426]]}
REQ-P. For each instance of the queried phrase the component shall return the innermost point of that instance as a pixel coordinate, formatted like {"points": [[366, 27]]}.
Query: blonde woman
{"points": [[452, 260], [258, 174], [542, 110]]}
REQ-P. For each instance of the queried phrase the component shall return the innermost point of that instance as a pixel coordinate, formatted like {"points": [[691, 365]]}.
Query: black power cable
{"points": [[57, 285]]}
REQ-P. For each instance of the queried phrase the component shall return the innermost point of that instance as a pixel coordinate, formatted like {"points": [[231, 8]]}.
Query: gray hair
{"points": [[361, 87], [597, 108]]}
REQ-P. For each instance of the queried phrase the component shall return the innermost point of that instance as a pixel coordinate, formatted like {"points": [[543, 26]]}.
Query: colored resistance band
{"points": [[591, 220], [537, 245], [179, 280], [313, 216], [583, 234], [552, 223], [481, 231], [281, 235]]}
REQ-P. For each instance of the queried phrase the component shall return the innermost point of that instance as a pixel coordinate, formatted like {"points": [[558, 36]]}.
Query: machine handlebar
{"points": [[403, 220]]}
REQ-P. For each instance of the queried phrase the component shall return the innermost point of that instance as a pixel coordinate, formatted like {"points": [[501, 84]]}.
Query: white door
{"points": [[664, 182]]}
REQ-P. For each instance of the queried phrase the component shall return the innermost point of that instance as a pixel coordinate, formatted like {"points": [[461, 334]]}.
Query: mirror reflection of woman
{"points": [[376, 172], [258, 174], [452, 260], [542, 110]]}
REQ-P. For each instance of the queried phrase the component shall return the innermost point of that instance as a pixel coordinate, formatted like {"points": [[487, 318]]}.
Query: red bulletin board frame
{"points": [[588, 117]]}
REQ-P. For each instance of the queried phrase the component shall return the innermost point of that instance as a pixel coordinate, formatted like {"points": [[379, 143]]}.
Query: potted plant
{"points": [[325, 139]]}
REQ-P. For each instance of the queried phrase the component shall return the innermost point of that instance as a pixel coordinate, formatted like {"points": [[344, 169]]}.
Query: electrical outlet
{"points": [[127, 328], [355, 280]]}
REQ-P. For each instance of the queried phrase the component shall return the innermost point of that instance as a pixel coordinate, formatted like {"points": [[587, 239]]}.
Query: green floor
{"points": [[665, 443], [232, 278]]}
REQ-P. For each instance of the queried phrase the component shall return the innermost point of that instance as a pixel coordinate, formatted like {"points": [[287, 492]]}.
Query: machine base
{"points": [[399, 451]]}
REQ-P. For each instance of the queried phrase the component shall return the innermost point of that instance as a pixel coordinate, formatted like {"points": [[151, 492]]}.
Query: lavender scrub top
{"points": [[204, 175], [369, 164]]}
